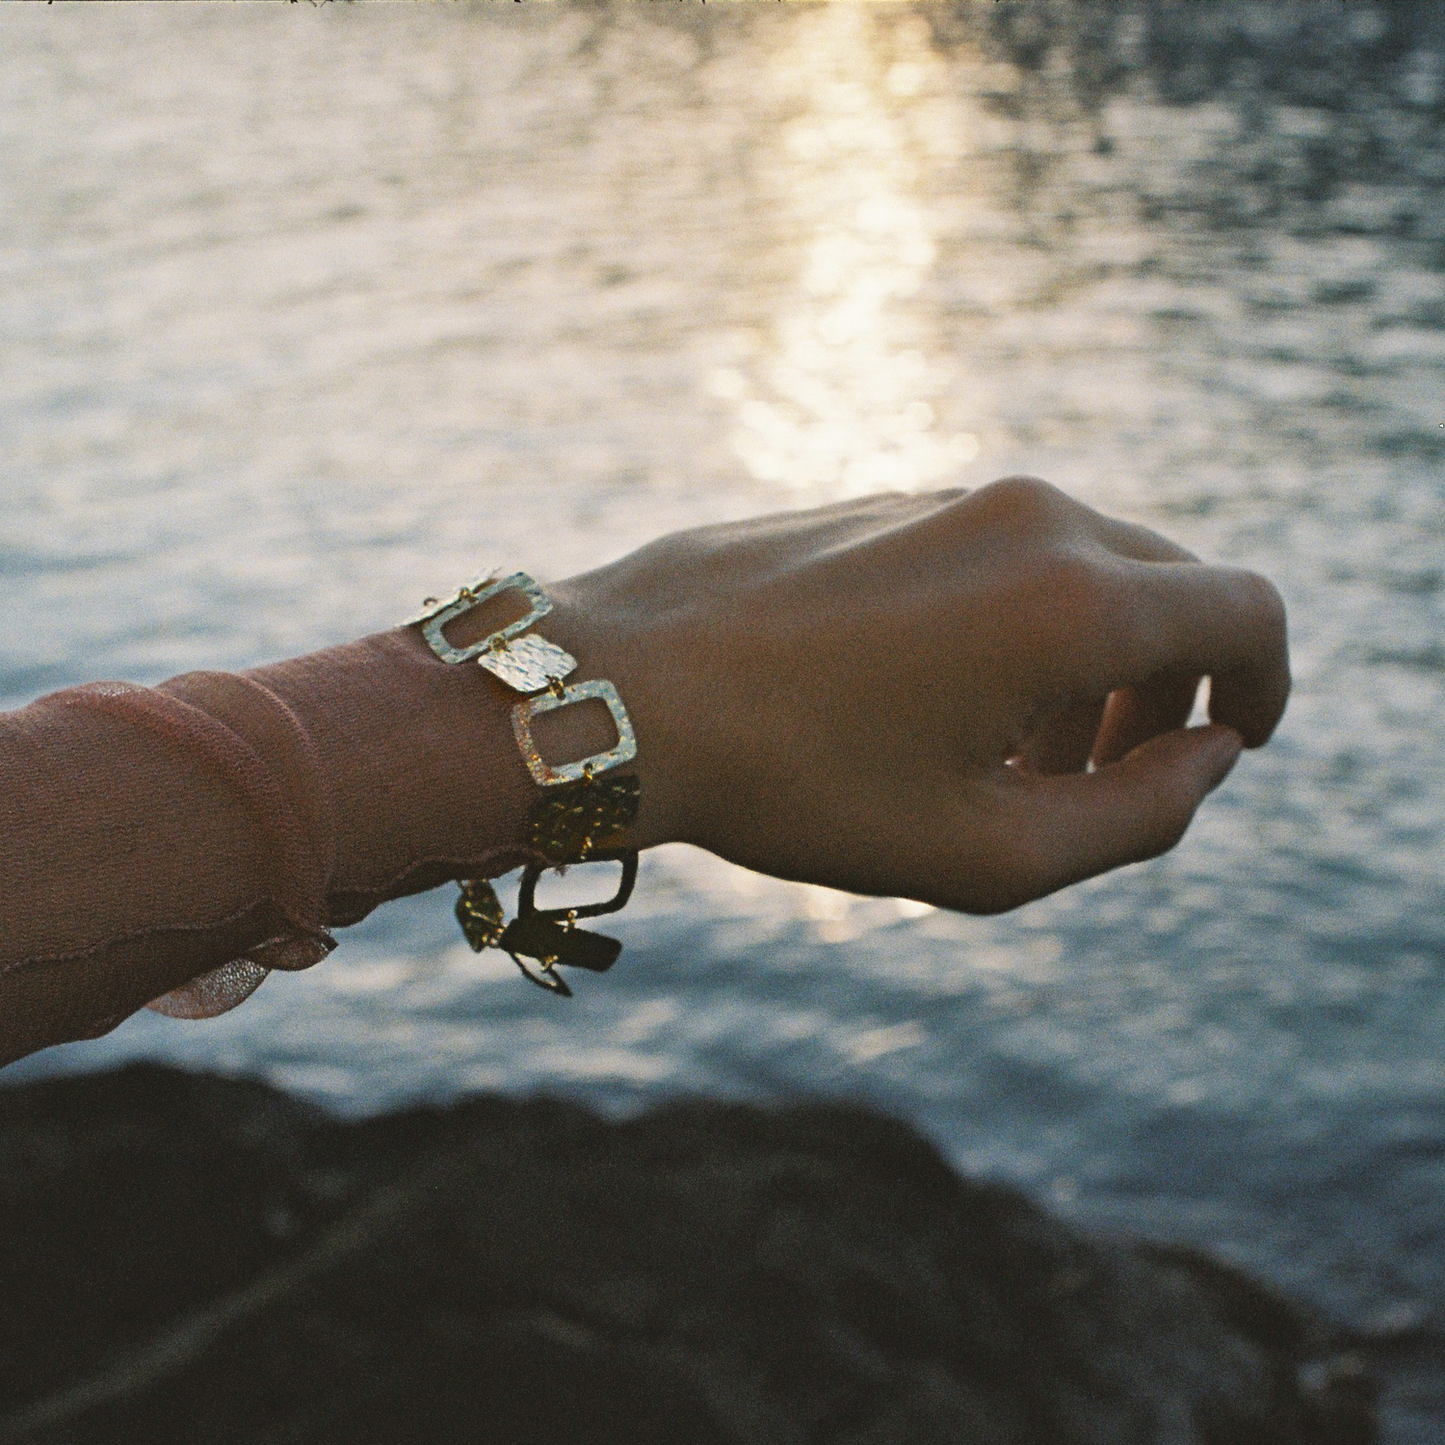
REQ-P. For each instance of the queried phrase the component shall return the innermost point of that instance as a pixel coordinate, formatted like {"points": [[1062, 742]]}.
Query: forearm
{"points": [[139, 854]]}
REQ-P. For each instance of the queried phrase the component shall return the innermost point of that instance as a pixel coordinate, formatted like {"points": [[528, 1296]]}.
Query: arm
{"points": [[971, 700]]}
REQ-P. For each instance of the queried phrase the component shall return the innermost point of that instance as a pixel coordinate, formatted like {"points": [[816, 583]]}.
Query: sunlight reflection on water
{"points": [[846, 380]]}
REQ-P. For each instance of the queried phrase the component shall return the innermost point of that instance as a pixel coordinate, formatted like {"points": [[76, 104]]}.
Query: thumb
{"points": [[1075, 825]]}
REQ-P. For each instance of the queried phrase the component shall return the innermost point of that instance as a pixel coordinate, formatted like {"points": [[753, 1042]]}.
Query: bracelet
{"points": [[583, 817]]}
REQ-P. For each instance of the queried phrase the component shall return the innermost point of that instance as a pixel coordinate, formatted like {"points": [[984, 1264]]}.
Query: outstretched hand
{"points": [[971, 699]]}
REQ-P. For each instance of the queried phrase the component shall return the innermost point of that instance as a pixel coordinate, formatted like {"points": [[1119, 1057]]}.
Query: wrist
{"points": [[584, 809], [638, 657]]}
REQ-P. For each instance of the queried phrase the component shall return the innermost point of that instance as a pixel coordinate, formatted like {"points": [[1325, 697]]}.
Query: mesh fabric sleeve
{"points": [[172, 845]]}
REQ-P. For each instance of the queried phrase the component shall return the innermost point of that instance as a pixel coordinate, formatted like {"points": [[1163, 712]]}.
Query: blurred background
{"points": [[307, 312]]}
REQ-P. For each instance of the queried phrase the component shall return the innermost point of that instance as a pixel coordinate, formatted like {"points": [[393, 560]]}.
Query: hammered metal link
{"points": [[469, 598], [479, 911], [528, 664], [543, 772], [572, 822]]}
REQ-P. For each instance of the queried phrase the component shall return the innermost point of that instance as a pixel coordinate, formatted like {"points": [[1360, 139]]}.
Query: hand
{"points": [[967, 699]]}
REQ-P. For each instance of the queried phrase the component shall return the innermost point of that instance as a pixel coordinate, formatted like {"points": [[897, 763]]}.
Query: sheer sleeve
{"points": [[171, 845]]}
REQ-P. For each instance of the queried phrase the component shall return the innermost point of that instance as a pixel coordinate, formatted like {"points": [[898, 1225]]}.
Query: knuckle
{"points": [[1077, 582], [1019, 502], [1145, 544], [1267, 604], [947, 494], [1075, 596], [1267, 633]]}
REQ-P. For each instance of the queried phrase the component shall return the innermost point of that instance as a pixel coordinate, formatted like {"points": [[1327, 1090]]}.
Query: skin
{"points": [[970, 699]]}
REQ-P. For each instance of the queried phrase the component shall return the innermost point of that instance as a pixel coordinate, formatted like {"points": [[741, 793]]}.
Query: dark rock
{"points": [[205, 1260]]}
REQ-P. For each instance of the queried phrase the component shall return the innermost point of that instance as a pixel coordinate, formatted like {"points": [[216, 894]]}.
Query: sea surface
{"points": [[307, 311]]}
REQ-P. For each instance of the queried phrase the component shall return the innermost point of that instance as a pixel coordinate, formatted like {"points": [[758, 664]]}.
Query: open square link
{"points": [[468, 598], [543, 772], [527, 895]]}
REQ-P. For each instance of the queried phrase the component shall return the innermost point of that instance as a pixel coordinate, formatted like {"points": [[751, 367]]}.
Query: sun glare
{"points": [[839, 403]]}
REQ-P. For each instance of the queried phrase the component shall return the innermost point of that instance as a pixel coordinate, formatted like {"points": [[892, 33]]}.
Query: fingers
{"points": [[1008, 838], [1135, 606], [1183, 619], [1063, 742], [1137, 713], [1048, 832], [1128, 607], [1148, 637], [1103, 730]]}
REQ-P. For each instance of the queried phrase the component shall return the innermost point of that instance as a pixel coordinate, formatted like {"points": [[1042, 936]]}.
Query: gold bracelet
{"points": [[583, 818]]}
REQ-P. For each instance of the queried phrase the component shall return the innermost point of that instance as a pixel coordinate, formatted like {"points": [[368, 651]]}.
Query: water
{"points": [[306, 311]]}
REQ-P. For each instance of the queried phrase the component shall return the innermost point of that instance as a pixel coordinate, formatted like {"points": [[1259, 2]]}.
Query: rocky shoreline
{"points": [[199, 1259]]}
